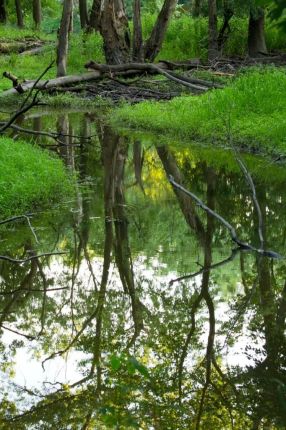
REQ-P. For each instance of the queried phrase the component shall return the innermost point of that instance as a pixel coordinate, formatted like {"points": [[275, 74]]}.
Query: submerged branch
{"points": [[249, 179], [242, 245], [207, 269], [32, 257]]}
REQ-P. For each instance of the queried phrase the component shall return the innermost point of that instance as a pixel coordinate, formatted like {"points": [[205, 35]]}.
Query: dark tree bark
{"points": [[94, 16], [37, 13], [197, 8], [137, 48], [115, 32], [19, 13], [155, 41], [256, 34], [3, 14], [63, 38], [213, 51], [225, 28], [83, 14]]}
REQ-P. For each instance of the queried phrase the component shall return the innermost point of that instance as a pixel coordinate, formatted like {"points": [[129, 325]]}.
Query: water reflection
{"points": [[204, 352]]}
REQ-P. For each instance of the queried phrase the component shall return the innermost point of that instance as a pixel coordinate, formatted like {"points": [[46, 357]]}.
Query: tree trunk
{"points": [[197, 8], [37, 13], [83, 14], [225, 28], [115, 32], [94, 16], [63, 38], [213, 51], [137, 48], [155, 41], [19, 13], [71, 19], [3, 14], [256, 35]]}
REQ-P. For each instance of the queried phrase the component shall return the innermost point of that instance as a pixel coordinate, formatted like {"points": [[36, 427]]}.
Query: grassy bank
{"points": [[252, 110], [30, 178]]}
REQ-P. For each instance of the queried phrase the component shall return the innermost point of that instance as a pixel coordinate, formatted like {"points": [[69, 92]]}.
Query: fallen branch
{"points": [[52, 134], [160, 68], [32, 257], [57, 82], [206, 269], [15, 81]]}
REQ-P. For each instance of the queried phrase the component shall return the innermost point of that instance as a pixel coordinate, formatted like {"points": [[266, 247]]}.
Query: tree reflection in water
{"points": [[155, 354]]}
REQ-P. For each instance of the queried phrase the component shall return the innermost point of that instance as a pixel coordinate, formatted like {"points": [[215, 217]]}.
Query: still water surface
{"points": [[106, 336]]}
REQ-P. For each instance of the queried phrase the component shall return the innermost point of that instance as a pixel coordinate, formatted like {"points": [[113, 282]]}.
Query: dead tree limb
{"points": [[15, 81], [147, 67], [249, 179], [241, 245], [207, 269], [32, 257]]}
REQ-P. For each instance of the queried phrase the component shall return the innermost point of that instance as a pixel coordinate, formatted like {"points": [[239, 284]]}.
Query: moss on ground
{"points": [[251, 111], [30, 178]]}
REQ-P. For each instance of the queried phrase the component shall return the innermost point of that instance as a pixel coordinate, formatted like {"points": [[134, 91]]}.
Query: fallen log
{"points": [[57, 82], [9, 47], [101, 71], [35, 51], [15, 81]]}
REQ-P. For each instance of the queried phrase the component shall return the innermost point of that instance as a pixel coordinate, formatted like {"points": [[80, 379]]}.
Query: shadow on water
{"points": [[150, 320]]}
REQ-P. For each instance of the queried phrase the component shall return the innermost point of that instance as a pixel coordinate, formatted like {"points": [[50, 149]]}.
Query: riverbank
{"points": [[31, 178], [249, 113]]}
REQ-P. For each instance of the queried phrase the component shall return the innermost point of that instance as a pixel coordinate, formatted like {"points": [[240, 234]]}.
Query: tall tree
{"points": [[83, 14], [137, 47], [94, 16], [197, 8], [19, 13], [213, 33], [155, 41], [256, 33], [3, 14], [115, 32], [63, 38], [37, 13]]}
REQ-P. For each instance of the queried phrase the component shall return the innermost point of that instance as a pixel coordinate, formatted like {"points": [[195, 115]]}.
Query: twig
{"points": [[14, 218], [24, 260], [31, 290], [53, 135], [26, 217], [207, 269], [27, 336], [35, 83], [254, 198], [24, 107]]}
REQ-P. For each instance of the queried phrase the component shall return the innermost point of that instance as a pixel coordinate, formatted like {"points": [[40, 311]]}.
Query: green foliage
{"points": [[30, 177], [252, 109], [30, 67]]}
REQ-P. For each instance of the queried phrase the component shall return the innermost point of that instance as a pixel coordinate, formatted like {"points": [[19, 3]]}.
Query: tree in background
{"points": [[83, 14], [63, 38], [256, 32], [213, 51], [37, 13], [3, 14], [19, 13], [155, 41]]}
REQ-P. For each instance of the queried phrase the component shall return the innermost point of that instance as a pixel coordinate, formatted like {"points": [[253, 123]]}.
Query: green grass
{"points": [[81, 50], [30, 178], [252, 110]]}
